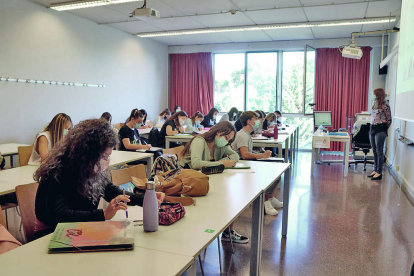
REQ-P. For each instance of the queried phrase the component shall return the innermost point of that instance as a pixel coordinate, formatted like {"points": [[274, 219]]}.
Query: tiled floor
{"points": [[337, 226]]}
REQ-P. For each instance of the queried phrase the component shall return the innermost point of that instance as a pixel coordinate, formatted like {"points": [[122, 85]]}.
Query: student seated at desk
{"points": [[129, 136], [261, 117], [143, 124], [173, 125], [278, 115], [164, 115], [177, 108], [210, 118], [243, 145], [194, 123], [233, 114], [50, 136], [269, 122], [108, 117], [74, 178], [212, 149]]}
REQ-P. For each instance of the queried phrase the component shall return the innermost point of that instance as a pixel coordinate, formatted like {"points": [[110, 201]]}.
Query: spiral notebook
{"points": [[92, 236]]}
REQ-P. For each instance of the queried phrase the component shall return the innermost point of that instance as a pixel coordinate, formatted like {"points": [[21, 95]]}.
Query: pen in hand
{"points": [[126, 211]]}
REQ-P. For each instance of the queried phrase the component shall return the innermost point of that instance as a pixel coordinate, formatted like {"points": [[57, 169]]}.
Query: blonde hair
{"points": [[380, 98], [271, 116], [56, 127]]}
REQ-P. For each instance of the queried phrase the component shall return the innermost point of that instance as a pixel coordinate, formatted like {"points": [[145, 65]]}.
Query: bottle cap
{"points": [[150, 185]]}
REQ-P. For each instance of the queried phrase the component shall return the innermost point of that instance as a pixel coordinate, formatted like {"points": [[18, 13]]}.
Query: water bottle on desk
{"points": [[275, 132], [150, 206]]}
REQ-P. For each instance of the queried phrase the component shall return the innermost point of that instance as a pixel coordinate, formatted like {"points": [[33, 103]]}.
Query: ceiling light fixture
{"points": [[73, 5], [272, 27]]}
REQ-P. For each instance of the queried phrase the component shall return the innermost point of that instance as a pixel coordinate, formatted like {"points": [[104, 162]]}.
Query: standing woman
{"points": [[210, 118], [49, 137], [380, 122], [173, 125], [74, 178], [194, 123]]}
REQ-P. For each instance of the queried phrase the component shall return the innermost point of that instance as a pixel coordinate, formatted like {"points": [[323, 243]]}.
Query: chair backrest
{"points": [[26, 197], [2, 221], [118, 126], [123, 176], [176, 150], [24, 154], [361, 140], [153, 137]]}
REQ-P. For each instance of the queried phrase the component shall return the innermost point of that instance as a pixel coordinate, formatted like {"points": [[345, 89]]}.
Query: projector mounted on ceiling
{"points": [[144, 13], [352, 52]]}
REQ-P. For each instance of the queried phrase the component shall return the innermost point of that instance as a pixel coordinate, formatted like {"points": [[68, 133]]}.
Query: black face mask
{"points": [[165, 117]]}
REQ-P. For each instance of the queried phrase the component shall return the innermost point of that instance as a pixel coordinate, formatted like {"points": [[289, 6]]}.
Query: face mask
{"points": [[214, 117], [197, 123], [65, 132], [220, 142], [272, 123], [182, 121], [256, 124], [234, 114], [373, 98], [138, 126], [178, 109]]}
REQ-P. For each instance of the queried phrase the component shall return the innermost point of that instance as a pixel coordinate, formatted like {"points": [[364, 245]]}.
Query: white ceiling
{"points": [[196, 14]]}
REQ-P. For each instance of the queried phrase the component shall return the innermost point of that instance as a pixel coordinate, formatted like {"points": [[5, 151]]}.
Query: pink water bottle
{"points": [[275, 132], [150, 209]]}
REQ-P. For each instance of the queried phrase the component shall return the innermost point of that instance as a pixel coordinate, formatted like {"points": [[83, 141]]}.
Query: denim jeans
{"points": [[377, 143]]}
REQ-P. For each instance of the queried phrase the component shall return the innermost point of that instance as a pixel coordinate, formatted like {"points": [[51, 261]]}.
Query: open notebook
{"points": [[92, 236]]}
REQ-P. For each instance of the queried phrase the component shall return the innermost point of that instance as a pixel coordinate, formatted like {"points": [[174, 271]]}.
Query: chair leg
{"points": [[17, 210], [231, 242], [219, 252], [7, 220], [365, 162], [201, 265], [21, 224]]}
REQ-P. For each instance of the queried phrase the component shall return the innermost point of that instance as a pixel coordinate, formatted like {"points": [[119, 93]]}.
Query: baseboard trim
{"points": [[401, 181]]}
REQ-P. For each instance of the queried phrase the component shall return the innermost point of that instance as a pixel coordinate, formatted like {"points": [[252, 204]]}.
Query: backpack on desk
{"points": [[179, 185]]}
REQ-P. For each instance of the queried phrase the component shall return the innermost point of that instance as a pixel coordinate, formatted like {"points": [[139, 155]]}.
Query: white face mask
{"points": [[182, 121], [178, 109]]}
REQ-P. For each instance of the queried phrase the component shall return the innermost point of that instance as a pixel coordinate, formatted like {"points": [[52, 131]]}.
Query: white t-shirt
{"points": [[35, 158]]}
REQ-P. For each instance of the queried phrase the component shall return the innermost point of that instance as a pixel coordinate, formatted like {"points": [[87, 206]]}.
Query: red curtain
{"points": [[341, 86], [191, 82]]}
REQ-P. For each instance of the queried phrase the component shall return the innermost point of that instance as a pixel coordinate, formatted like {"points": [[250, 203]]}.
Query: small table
{"points": [[10, 150], [334, 138]]}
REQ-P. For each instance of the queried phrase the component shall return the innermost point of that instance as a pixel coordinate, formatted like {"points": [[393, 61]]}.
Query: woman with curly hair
{"points": [[74, 177]]}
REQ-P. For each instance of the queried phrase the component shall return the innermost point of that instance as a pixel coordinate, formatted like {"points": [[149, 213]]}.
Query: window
{"points": [[292, 82], [229, 81], [305, 129], [261, 81], [310, 55]]}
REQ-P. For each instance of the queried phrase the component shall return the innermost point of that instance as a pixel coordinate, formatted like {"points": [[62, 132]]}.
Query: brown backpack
{"points": [[179, 185]]}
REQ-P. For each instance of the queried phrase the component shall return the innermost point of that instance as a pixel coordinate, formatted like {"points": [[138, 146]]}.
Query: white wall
{"points": [[375, 79], [398, 153], [39, 43]]}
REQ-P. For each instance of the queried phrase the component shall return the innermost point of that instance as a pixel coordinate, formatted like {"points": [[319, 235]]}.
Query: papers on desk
{"points": [[135, 213], [260, 138], [275, 159], [183, 134]]}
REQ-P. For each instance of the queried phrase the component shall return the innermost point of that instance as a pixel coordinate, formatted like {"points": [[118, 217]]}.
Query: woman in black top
{"points": [[177, 108], [233, 114], [172, 126], [129, 136], [210, 118], [74, 177], [269, 121]]}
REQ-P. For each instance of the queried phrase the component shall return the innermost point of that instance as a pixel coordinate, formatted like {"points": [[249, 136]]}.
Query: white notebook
{"points": [[135, 213]]}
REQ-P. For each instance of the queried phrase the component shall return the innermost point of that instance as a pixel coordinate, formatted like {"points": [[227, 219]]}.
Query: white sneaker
{"points": [[276, 203], [269, 209]]}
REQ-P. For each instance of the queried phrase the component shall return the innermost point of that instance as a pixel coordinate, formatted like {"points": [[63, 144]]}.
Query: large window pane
{"points": [[305, 129], [261, 81], [292, 82], [229, 81], [310, 79]]}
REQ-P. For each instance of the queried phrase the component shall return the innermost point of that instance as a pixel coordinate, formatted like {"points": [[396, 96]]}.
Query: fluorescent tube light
{"points": [[272, 27], [73, 5]]}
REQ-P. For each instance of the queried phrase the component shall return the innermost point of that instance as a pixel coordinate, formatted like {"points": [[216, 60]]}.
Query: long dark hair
{"points": [[165, 112], [56, 127], [144, 113], [379, 98], [175, 117], [231, 112], [73, 162], [198, 114], [223, 128], [212, 111], [107, 116], [175, 108], [135, 113]]}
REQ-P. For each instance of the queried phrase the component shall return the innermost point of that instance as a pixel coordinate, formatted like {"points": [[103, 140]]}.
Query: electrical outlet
{"points": [[397, 168], [397, 129]]}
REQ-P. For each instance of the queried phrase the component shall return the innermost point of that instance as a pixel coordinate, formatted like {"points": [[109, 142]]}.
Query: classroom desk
{"points": [[229, 195], [33, 259], [291, 141], [11, 178], [334, 138], [10, 150]]}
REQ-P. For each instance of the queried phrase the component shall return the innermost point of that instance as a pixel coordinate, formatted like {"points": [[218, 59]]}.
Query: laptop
{"points": [[92, 236]]}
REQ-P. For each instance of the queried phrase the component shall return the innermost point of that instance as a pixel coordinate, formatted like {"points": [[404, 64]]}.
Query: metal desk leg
{"points": [[346, 158], [291, 146], [286, 149], [285, 202], [167, 143], [313, 158], [149, 161], [257, 235], [12, 161], [279, 150]]}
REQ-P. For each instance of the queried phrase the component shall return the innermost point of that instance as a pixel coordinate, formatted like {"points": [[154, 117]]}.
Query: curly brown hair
{"points": [[75, 160]]}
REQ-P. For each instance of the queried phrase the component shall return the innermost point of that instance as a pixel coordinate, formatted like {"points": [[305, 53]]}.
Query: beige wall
{"points": [[39, 43]]}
